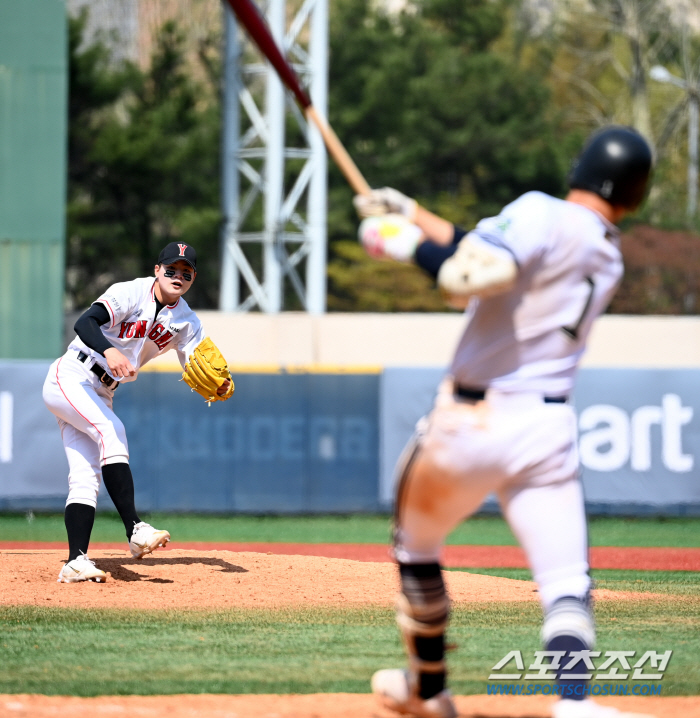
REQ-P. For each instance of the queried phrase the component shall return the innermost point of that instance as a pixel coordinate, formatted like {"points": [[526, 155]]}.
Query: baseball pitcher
{"points": [[532, 279], [127, 326]]}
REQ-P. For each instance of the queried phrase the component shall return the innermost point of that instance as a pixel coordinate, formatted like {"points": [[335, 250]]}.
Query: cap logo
{"points": [[607, 188], [182, 247]]}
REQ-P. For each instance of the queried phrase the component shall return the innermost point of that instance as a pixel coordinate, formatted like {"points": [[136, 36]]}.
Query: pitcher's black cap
{"points": [[177, 250]]}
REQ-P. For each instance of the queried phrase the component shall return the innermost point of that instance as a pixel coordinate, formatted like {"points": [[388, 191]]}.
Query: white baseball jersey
{"points": [[135, 330], [531, 337]]}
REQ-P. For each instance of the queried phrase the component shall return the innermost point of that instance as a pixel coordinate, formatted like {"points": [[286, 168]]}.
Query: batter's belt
{"points": [[104, 377], [467, 392]]}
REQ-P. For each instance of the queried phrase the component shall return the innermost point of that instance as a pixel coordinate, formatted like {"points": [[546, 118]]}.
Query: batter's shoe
{"points": [[397, 691], [81, 569], [146, 539], [590, 709]]}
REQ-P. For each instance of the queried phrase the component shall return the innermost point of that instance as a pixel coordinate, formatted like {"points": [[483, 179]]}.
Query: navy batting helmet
{"points": [[615, 164]]}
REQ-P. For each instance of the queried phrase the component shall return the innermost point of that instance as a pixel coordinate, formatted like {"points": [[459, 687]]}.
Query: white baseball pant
{"points": [[513, 445], [93, 435]]}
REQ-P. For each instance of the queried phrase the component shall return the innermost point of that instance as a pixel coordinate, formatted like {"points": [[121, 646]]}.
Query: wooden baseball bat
{"points": [[249, 16]]}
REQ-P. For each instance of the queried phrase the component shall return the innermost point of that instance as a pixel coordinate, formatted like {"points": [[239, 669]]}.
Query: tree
{"points": [[602, 54], [662, 272], [425, 103], [143, 167]]}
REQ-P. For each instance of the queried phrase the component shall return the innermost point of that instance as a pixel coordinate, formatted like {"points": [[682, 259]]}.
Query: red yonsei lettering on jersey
{"points": [[130, 330], [163, 340], [157, 330], [156, 334], [135, 324]]}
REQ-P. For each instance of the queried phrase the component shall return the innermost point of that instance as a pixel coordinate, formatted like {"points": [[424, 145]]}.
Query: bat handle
{"points": [[338, 152]]}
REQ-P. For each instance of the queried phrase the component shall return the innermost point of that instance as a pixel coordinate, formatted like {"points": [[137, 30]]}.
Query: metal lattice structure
{"points": [[274, 195]]}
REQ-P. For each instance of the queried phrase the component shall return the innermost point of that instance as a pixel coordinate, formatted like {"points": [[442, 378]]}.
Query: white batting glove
{"points": [[385, 201], [390, 236]]}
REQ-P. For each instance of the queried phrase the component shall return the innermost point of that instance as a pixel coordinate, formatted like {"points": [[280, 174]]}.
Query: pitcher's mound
{"points": [[179, 578]]}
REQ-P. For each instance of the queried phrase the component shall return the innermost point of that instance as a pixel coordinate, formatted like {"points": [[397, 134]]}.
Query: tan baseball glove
{"points": [[206, 372]]}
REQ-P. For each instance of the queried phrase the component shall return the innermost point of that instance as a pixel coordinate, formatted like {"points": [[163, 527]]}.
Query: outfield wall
{"points": [[325, 436], [381, 340]]}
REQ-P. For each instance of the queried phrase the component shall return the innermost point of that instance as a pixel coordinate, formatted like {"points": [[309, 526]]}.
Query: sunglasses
{"points": [[187, 276]]}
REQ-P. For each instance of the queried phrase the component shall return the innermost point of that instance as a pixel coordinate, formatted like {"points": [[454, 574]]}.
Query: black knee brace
{"points": [[422, 610]]}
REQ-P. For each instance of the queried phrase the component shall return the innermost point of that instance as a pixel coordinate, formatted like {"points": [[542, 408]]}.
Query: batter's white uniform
{"points": [[520, 346], [93, 435]]}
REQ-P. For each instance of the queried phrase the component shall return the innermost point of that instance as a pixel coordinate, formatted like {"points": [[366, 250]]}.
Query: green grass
{"points": [[325, 650], [678, 583], [480, 530], [101, 652]]}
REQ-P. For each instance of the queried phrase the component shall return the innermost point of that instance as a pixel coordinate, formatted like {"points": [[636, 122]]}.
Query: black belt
{"points": [[466, 392], [104, 377]]}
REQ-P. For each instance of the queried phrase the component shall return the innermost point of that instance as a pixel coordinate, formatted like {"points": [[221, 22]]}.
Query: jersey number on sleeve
{"points": [[572, 329]]}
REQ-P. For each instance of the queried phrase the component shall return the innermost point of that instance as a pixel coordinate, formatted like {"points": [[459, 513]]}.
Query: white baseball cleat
{"points": [[146, 539], [396, 691], [81, 569], [590, 709]]}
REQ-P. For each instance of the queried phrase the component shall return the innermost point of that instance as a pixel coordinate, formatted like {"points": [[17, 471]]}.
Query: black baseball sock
{"points": [[574, 689], [569, 629], [120, 487], [79, 520]]}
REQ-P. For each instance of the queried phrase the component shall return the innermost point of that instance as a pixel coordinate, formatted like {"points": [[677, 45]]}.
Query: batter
{"points": [[533, 280]]}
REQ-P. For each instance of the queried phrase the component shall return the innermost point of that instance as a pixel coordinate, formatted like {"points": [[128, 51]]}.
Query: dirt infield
{"points": [[632, 558], [180, 578], [619, 557], [340, 705]]}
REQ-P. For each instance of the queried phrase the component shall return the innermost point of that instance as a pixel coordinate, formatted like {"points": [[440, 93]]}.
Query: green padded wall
{"points": [[33, 114]]}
